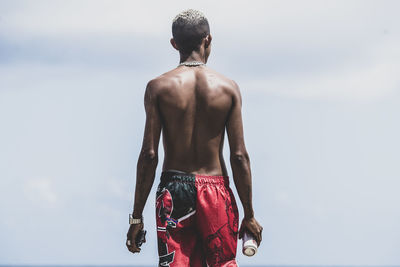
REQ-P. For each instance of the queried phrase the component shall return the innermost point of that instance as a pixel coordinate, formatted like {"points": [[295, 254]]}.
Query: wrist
{"points": [[137, 215], [248, 215]]}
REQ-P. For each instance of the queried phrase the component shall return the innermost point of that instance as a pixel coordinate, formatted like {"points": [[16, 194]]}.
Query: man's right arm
{"points": [[240, 163]]}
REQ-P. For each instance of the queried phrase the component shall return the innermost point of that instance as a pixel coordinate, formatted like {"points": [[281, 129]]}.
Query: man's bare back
{"points": [[194, 105]]}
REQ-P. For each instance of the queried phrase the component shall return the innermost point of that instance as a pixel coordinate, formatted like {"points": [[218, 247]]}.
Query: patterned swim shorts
{"points": [[197, 220]]}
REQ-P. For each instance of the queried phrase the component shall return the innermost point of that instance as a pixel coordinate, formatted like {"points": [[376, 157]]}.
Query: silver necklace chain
{"points": [[192, 63]]}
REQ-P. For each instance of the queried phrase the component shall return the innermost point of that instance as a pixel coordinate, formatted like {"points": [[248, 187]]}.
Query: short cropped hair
{"points": [[188, 29]]}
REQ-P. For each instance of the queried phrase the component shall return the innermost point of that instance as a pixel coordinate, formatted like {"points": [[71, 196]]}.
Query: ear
{"points": [[172, 41], [208, 40]]}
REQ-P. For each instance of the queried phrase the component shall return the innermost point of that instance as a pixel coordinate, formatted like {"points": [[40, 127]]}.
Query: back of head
{"points": [[188, 29]]}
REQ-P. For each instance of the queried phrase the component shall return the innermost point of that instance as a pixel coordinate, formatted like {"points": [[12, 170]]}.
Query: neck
{"points": [[194, 56]]}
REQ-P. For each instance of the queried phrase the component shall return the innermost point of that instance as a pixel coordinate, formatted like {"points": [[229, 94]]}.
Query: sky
{"points": [[320, 86]]}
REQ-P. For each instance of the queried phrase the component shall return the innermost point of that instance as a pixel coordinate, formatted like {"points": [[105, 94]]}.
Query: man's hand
{"points": [[131, 237], [253, 227]]}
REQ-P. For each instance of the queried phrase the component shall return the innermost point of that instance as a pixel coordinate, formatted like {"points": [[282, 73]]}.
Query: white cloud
{"points": [[118, 188], [40, 190], [354, 82], [268, 20]]}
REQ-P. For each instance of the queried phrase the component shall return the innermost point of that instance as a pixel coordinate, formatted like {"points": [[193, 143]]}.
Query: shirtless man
{"points": [[196, 212]]}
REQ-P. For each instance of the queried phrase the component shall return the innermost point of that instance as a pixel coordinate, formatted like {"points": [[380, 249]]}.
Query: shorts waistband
{"points": [[174, 175], [212, 179]]}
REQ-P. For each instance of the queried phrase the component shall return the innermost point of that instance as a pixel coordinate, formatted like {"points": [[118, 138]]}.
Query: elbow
{"points": [[149, 156], [240, 158]]}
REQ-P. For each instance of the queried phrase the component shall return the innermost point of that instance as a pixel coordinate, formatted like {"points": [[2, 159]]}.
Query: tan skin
{"points": [[193, 106]]}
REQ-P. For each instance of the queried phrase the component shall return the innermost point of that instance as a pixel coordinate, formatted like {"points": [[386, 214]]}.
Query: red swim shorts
{"points": [[197, 220]]}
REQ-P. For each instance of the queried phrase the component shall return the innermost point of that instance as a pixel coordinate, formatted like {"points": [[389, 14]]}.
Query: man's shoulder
{"points": [[230, 85], [156, 84], [221, 76], [227, 83], [164, 80]]}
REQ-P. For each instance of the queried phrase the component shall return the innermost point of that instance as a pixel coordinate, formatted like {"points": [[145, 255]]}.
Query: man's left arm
{"points": [[147, 162]]}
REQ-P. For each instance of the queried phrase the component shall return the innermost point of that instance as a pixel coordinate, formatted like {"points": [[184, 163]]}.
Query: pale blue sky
{"points": [[321, 101]]}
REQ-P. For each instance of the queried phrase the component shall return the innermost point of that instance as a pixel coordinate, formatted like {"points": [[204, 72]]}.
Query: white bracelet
{"points": [[134, 221]]}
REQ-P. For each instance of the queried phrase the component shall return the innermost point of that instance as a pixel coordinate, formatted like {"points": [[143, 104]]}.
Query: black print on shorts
{"points": [[165, 257]]}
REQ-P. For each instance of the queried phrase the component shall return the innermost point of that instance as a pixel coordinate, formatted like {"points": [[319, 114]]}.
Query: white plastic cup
{"points": [[249, 245]]}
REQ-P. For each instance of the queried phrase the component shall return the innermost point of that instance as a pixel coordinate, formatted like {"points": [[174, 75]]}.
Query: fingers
{"points": [[259, 234], [256, 234], [258, 239], [132, 246], [131, 237], [253, 228]]}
